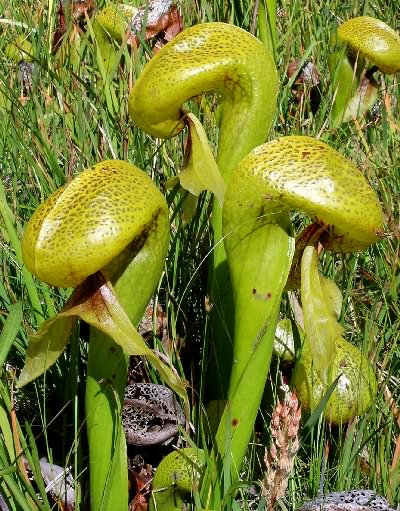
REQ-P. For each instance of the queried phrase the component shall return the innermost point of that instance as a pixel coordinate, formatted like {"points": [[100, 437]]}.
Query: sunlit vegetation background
{"points": [[70, 118]]}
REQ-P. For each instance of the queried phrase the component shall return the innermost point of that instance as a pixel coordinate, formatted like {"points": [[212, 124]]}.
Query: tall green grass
{"points": [[74, 115]]}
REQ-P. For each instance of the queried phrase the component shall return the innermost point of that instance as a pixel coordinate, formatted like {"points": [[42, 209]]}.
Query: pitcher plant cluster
{"points": [[106, 234]]}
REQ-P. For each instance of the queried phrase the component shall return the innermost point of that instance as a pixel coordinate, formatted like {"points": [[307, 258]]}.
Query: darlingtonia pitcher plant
{"points": [[106, 234]]}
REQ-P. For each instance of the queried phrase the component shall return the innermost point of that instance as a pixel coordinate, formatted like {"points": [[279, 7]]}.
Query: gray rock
{"points": [[353, 500], [151, 414]]}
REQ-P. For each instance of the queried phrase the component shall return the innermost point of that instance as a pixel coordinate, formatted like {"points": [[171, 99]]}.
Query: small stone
{"points": [[151, 414]]}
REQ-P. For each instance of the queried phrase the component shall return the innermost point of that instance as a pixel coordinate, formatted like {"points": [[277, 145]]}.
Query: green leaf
{"points": [[7, 438], [189, 207], [320, 307], [201, 171], [45, 346], [19, 49], [10, 330], [318, 411], [96, 303], [333, 295]]}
